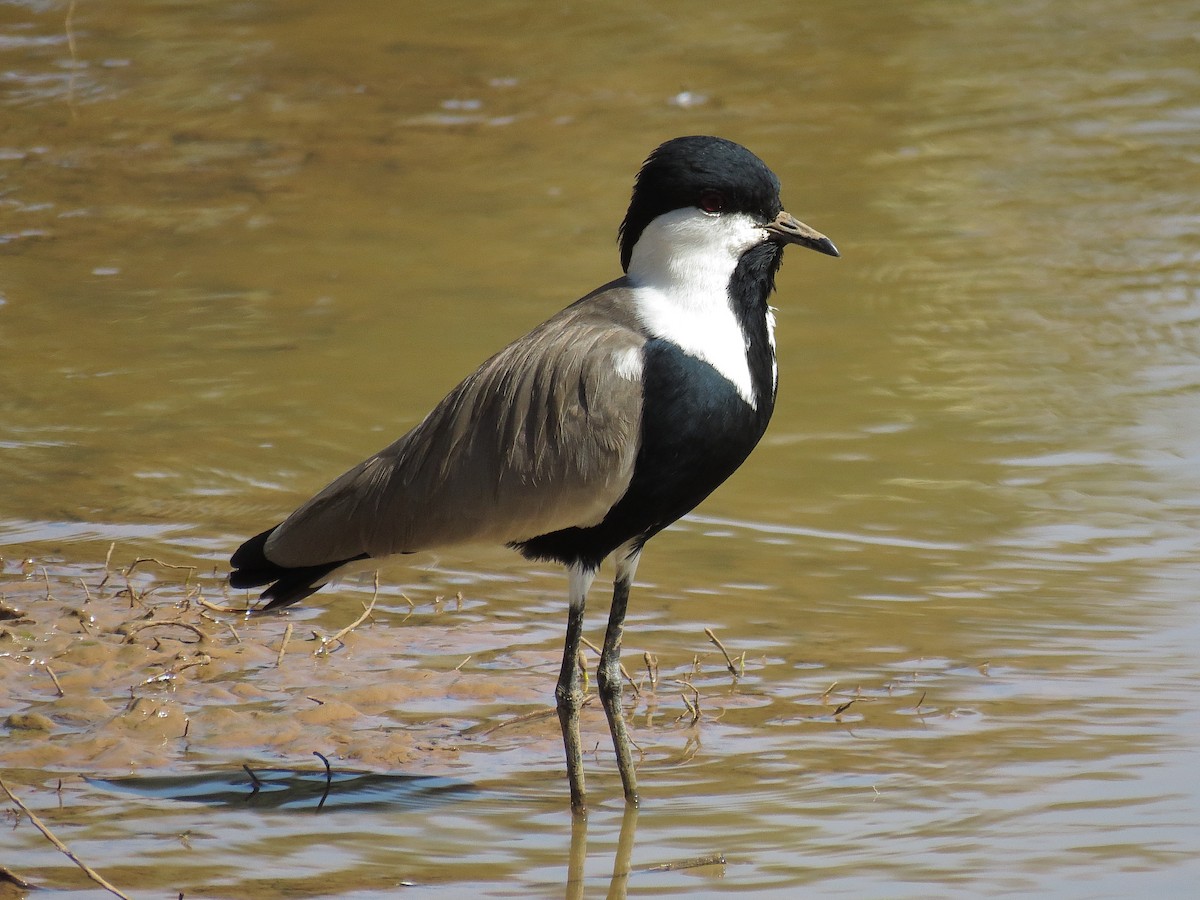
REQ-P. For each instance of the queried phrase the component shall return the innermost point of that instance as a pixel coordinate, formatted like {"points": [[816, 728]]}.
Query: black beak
{"points": [[787, 229]]}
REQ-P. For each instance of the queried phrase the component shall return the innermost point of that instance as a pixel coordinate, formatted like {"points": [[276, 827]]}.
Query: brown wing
{"points": [[543, 436]]}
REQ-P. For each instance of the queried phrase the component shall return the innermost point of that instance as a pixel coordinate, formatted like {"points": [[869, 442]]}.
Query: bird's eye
{"points": [[712, 202]]}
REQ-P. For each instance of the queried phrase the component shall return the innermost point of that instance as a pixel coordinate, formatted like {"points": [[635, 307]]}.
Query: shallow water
{"points": [[242, 246]]}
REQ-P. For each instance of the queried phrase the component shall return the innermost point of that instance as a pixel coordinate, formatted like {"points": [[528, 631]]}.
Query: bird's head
{"points": [[708, 195]]}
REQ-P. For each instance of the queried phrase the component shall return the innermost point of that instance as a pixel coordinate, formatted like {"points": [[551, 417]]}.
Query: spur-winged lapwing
{"points": [[592, 433]]}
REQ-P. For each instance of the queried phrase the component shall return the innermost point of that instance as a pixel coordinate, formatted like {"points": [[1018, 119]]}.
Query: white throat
{"points": [[680, 270]]}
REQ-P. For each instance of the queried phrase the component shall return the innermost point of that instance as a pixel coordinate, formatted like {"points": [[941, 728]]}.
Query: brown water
{"points": [[243, 245]]}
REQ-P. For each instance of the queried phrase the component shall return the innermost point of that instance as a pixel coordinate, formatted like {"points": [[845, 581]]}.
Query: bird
{"points": [[592, 433]]}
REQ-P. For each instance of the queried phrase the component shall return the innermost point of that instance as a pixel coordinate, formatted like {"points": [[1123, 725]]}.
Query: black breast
{"points": [[696, 431]]}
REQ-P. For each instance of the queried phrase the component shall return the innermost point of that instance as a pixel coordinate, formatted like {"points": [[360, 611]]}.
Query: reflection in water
{"points": [[621, 869], [578, 857], [294, 789], [621, 862]]}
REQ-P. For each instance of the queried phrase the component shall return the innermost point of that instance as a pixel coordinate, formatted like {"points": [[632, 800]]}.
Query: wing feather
{"points": [[542, 436]]}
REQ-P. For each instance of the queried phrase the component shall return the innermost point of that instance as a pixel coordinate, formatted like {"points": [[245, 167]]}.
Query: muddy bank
{"points": [[133, 667], [136, 667]]}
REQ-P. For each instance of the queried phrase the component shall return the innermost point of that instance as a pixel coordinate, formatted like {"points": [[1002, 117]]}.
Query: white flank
{"points": [[628, 363], [680, 271]]}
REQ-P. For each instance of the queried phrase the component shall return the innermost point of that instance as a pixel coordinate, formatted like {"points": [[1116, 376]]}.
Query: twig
{"points": [[217, 607], [62, 848], [133, 629], [845, 706], [536, 714], [287, 636], [624, 671], [694, 709], [83, 619], [325, 642], [691, 709], [713, 859], [170, 674], [254, 782], [651, 668], [129, 591], [142, 559], [637, 691], [54, 678], [728, 662]]}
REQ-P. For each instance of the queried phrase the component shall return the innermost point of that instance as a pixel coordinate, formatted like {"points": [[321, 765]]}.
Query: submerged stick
{"points": [[60, 846], [532, 716], [695, 862]]}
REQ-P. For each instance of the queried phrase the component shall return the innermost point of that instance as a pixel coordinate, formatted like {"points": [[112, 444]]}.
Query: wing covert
{"points": [[542, 436]]}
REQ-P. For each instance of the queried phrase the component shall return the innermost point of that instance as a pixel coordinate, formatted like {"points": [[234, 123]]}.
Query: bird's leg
{"points": [[569, 693], [609, 674]]}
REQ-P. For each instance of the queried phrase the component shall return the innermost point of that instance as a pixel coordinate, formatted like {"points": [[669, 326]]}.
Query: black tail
{"points": [[288, 585]]}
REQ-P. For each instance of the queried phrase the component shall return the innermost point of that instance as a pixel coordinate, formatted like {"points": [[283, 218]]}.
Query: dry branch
{"points": [[287, 636], [326, 642], [728, 662], [62, 848]]}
